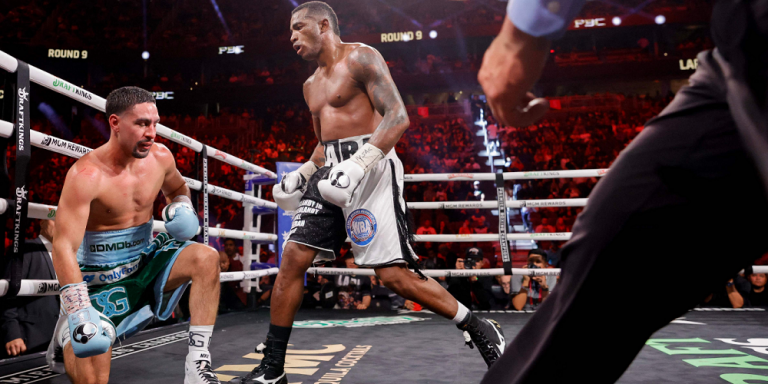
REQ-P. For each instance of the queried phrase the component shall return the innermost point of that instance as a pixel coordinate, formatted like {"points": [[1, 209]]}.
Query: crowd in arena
{"points": [[588, 138], [86, 23]]}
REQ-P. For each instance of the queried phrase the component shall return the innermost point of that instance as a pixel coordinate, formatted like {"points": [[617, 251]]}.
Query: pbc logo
{"points": [[589, 23], [163, 95], [232, 50]]}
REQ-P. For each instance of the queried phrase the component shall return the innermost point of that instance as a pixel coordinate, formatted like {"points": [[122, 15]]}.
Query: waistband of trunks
{"points": [[112, 248], [339, 150]]}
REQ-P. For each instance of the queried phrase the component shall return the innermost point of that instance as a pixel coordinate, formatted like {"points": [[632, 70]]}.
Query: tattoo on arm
{"points": [[369, 68], [318, 156]]}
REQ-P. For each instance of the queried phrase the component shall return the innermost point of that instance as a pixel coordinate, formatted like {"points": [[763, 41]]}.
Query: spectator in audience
{"points": [[383, 297], [465, 228], [757, 296], [426, 229], [731, 295], [432, 261], [529, 292], [501, 296], [231, 252], [354, 291], [320, 291], [231, 296], [464, 288], [544, 226], [28, 322], [265, 285]]}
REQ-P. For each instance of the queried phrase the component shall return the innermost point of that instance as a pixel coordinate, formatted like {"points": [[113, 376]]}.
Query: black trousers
{"points": [[680, 212]]}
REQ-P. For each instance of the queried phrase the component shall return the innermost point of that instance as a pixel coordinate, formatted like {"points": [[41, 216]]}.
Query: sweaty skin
{"points": [[107, 190], [352, 92], [114, 187]]}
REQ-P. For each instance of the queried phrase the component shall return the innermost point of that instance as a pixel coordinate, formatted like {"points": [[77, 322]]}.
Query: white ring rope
{"points": [[9, 63], [48, 212], [482, 237], [545, 203], [51, 287], [442, 272], [565, 174], [68, 148]]}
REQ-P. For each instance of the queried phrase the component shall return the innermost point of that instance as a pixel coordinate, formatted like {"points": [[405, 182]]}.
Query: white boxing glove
{"points": [[344, 178], [289, 191]]}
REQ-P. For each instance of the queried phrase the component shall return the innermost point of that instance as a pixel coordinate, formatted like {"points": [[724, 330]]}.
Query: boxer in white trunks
{"points": [[351, 187]]}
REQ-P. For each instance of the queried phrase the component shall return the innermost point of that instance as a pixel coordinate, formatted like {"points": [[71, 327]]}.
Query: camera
{"points": [[472, 257]]}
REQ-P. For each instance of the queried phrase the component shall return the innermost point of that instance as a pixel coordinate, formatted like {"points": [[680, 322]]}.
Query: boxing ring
{"points": [[348, 346]]}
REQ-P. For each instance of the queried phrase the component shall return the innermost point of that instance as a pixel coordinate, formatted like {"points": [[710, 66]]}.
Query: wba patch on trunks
{"points": [[361, 227]]}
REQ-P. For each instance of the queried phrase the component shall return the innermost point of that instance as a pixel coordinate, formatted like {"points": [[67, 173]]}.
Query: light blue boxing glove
{"points": [[90, 332], [180, 218]]}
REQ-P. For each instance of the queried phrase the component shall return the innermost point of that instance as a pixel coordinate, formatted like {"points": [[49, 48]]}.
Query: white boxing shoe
{"points": [[197, 369], [55, 354]]}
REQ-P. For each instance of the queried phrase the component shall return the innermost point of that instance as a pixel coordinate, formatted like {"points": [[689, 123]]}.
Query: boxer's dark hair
{"points": [[320, 8], [122, 99]]}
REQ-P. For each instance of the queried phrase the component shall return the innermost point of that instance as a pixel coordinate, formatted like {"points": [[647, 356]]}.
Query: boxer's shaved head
{"points": [[319, 10], [122, 99]]}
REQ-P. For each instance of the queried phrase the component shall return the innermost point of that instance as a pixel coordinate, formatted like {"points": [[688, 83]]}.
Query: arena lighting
{"points": [[145, 55], [660, 19], [616, 20], [406, 37], [432, 34]]}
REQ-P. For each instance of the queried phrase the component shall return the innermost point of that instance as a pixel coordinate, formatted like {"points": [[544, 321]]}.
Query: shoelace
{"points": [[204, 369], [468, 340], [483, 343], [266, 362]]}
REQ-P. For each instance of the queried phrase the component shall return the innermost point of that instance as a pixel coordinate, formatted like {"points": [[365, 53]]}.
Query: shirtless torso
{"points": [[114, 188], [339, 100], [123, 197], [107, 190]]}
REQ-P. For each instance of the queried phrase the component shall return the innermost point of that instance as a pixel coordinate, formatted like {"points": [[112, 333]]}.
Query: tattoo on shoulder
{"points": [[368, 67], [366, 62]]}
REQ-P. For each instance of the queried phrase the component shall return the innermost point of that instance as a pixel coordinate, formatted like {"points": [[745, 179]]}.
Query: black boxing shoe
{"points": [[488, 337], [271, 370]]}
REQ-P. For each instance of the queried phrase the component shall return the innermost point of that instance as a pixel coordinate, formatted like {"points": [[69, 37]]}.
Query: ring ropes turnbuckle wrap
{"points": [[23, 155]]}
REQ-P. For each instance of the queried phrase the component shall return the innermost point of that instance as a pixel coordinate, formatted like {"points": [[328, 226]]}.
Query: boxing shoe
{"points": [[197, 369], [487, 336], [271, 370], [55, 354]]}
